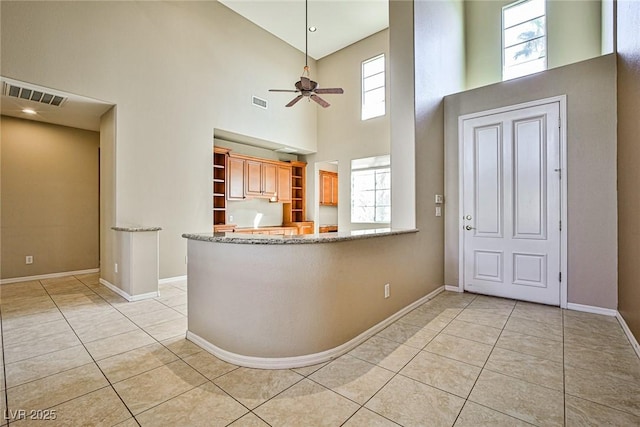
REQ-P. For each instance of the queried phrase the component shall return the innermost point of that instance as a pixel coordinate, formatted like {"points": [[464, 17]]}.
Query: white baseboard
{"points": [[48, 276], [172, 279], [452, 288], [308, 359], [628, 333], [123, 294], [592, 309]]}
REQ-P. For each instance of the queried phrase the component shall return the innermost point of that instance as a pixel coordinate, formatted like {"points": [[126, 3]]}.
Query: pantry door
{"points": [[511, 201]]}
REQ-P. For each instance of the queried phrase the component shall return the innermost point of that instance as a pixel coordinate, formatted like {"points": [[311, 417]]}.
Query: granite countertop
{"points": [[269, 239], [135, 228]]}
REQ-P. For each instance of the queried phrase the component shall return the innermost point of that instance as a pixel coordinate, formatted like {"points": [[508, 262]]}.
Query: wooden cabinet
{"points": [[220, 156], [261, 179], [281, 231], [296, 210], [328, 188], [235, 178], [284, 184]]}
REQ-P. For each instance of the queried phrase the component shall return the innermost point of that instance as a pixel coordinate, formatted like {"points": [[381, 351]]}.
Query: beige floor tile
{"points": [[473, 332], [58, 281], [3, 408], [85, 311], [181, 346], [408, 402], [209, 365], [102, 407], [603, 389], [367, 418], [134, 362], [166, 330], [98, 331], [109, 296], [153, 387], [117, 344], [205, 405], [594, 323], [526, 401], [474, 415], [249, 420], [537, 329], [252, 387], [308, 370], [55, 389], [582, 413], [40, 319], [353, 378], [443, 373], [88, 278], [92, 319], [387, 354], [529, 368], [461, 349], [27, 306], [139, 307], [485, 301], [144, 320], [411, 335], [173, 300], [623, 364], [38, 347], [16, 290], [35, 332], [182, 309], [131, 422], [83, 297], [538, 312], [428, 317], [47, 364], [307, 403], [491, 317], [595, 341], [534, 346]]}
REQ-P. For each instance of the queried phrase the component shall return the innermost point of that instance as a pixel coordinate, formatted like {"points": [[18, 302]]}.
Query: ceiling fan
{"points": [[305, 86]]}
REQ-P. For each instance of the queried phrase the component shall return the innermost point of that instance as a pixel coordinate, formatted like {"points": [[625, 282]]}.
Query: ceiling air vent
{"points": [[259, 102], [32, 95]]}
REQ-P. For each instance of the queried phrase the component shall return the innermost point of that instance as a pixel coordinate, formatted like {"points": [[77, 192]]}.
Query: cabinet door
{"points": [[325, 189], [235, 179], [269, 180], [284, 184], [253, 178], [334, 190]]}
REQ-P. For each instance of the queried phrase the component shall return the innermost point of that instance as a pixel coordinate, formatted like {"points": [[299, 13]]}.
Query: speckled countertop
{"points": [[135, 228], [268, 239]]}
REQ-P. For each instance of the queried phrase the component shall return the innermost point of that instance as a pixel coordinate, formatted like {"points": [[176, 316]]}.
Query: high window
{"points": [[371, 190], [373, 87], [524, 38]]}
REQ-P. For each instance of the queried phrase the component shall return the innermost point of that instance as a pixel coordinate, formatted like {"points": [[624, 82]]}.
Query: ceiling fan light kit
{"points": [[305, 86]]}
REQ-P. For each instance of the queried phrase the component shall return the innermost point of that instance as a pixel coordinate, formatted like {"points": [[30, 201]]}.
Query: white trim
{"points": [[628, 333], [123, 294], [48, 276], [564, 189], [592, 309], [307, 359], [452, 288], [172, 279]]}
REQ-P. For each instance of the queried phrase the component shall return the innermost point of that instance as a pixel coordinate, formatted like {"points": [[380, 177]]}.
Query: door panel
{"points": [[511, 204]]}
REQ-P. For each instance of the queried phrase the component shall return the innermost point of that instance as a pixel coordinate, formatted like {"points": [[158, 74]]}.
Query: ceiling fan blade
{"points": [[294, 100], [320, 101], [283, 90], [305, 82], [335, 90]]}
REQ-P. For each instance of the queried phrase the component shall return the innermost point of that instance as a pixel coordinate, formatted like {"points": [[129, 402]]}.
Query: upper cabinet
{"points": [[252, 177], [284, 183], [235, 178], [328, 188]]}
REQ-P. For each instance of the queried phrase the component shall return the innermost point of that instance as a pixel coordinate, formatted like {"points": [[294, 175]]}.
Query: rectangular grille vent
{"points": [[32, 95], [259, 102]]}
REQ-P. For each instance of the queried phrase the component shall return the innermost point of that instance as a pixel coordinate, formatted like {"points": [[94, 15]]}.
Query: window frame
{"points": [[363, 92], [505, 77], [375, 190]]}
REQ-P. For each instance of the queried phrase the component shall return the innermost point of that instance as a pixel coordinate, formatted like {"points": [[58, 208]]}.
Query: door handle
{"points": [[468, 227], [468, 217]]}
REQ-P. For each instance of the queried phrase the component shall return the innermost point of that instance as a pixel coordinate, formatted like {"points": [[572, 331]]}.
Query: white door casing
{"points": [[511, 200]]}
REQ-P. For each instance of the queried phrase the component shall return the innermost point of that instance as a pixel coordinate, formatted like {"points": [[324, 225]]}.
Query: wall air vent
{"points": [[259, 102], [32, 95]]}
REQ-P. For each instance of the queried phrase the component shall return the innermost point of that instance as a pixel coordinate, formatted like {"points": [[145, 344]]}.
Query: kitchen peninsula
{"points": [[277, 302]]}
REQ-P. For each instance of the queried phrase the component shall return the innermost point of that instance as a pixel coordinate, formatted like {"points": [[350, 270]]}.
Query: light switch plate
{"points": [[439, 198], [438, 211]]}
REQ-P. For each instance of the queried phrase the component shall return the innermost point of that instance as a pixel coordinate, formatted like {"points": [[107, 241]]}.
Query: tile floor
{"points": [[72, 346]]}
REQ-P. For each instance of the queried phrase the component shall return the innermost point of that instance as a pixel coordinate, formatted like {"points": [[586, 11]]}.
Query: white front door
{"points": [[511, 204]]}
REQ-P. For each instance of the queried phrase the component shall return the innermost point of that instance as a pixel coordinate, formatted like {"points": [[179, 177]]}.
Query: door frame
{"points": [[562, 101]]}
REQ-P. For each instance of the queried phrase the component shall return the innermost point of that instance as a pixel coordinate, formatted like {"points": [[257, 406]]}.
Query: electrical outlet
{"points": [[438, 211], [28, 259], [115, 267], [386, 290], [230, 218]]}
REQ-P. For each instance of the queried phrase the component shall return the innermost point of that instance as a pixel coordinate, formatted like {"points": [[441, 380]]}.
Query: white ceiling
{"points": [[340, 23]]}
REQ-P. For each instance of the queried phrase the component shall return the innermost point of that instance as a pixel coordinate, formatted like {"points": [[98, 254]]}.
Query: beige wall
{"points": [[590, 87], [573, 28], [49, 194], [628, 40], [342, 135], [176, 71], [108, 253]]}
